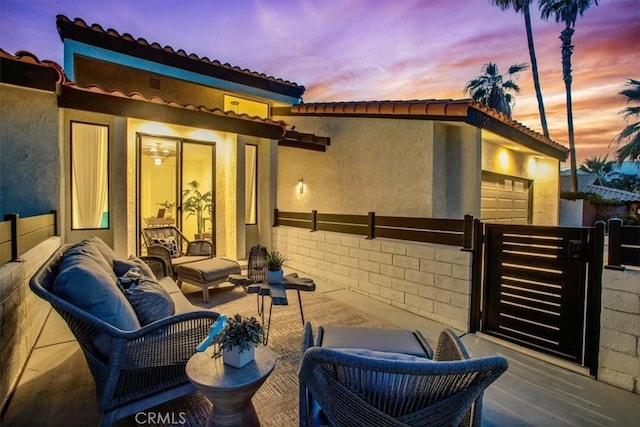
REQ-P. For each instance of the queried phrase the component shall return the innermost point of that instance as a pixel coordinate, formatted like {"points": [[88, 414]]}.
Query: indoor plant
{"points": [[274, 267], [238, 340], [199, 204]]}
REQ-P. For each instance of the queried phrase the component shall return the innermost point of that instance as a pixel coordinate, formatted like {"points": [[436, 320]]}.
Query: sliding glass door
{"points": [[176, 183]]}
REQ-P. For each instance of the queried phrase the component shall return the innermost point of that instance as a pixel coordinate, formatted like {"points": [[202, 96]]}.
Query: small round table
{"points": [[230, 389]]}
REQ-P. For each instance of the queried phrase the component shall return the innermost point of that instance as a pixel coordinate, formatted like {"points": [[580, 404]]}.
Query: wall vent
{"points": [[154, 83]]}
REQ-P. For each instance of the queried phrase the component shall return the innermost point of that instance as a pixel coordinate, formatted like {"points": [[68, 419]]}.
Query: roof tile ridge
{"points": [[126, 36], [28, 57]]}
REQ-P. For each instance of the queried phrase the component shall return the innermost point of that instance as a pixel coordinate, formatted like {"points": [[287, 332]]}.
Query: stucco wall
{"points": [[30, 152], [619, 360], [543, 171], [22, 313], [375, 165], [433, 281]]}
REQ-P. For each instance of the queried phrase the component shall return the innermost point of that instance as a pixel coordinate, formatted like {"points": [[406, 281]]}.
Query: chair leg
{"points": [[300, 303]]}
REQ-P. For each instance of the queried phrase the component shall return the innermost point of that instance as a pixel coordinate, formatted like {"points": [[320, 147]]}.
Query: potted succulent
{"points": [[274, 267], [238, 340]]}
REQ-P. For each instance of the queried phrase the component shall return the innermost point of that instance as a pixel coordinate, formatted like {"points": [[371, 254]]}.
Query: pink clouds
{"points": [[376, 49]]}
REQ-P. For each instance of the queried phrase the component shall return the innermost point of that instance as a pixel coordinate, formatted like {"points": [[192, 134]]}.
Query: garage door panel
{"points": [[504, 200]]}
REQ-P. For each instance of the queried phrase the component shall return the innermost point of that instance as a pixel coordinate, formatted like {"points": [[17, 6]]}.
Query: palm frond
{"points": [[516, 68]]}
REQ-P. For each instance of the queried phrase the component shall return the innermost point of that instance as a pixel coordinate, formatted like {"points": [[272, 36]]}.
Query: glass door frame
{"points": [[179, 182]]}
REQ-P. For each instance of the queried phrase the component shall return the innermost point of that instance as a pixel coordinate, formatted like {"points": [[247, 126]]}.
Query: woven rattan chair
{"points": [[190, 250], [344, 388], [145, 367]]}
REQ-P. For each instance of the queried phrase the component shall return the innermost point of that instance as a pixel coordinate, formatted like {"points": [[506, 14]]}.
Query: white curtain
{"points": [[250, 181], [89, 155]]}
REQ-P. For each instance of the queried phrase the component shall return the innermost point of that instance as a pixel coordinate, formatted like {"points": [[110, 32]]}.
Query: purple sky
{"points": [[351, 50]]}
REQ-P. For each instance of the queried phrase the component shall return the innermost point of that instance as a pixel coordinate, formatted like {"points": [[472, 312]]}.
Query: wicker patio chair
{"points": [[143, 368], [188, 250], [451, 348], [356, 388]]}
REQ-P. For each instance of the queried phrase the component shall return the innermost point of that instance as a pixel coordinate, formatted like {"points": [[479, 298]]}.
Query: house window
{"points": [[251, 183], [245, 106], [89, 176]]}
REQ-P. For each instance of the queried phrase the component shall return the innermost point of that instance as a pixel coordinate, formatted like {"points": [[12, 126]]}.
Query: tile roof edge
{"points": [[180, 52], [29, 58], [173, 103], [452, 108]]}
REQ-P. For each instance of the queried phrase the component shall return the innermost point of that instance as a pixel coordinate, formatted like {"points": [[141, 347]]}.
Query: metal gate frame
{"points": [[585, 256]]}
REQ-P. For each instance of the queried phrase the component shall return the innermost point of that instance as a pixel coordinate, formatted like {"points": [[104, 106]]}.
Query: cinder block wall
{"points": [[22, 313], [619, 361], [433, 281]]}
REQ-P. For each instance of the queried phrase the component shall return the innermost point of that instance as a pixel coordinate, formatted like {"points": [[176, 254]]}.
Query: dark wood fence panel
{"points": [[535, 287], [5, 242], [18, 235], [624, 244], [453, 232]]}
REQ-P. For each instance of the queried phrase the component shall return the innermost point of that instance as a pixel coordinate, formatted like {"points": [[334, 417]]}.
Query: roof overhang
{"points": [[125, 44], [464, 110], [307, 141], [136, 106], [26, 70]]}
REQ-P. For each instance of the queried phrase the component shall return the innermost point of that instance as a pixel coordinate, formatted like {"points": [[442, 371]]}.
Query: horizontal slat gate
{"points": [[535, 283]]}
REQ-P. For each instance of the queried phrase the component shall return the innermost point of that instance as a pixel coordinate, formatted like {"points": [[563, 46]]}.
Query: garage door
{"points": [[505, 199]]}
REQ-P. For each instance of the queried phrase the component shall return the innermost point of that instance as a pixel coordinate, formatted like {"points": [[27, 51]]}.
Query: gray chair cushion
{"points": [[388, 340], [122, 266], [149, 300], [92, 289]]}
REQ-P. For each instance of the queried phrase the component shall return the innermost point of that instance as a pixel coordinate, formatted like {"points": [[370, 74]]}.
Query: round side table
{"points": [[230, 389]]}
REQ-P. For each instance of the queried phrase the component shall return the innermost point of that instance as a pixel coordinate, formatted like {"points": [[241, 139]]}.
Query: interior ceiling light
{"points": [[158, 154]]}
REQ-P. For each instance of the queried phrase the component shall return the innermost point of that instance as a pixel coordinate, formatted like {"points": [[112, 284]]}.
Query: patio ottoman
{"points": [[207, 273]]}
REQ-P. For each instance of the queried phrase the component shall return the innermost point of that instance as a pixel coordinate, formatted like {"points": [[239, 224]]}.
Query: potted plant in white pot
{"points": [[274, 267], [238, 340]]}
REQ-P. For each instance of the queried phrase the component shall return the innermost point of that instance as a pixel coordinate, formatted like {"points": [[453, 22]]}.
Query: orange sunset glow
{"points": [[353, 50]]}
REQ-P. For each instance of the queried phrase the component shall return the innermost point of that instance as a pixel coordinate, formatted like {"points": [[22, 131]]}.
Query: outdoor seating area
{"points": [[530, 392]]}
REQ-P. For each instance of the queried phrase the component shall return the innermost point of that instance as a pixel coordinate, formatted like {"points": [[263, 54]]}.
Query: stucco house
{"points": [[164, 118]]}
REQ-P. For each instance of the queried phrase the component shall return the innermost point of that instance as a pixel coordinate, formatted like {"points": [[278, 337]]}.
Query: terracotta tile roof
{"points": [[25, 69], [79, 30], [437, 109], [70, 95]]}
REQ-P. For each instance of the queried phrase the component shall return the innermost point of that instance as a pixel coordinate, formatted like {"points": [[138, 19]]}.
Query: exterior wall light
{"points": [[301, 186]]}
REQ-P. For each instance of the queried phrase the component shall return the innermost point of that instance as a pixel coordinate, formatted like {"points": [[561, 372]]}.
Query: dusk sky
{"points": [[354, 50]]}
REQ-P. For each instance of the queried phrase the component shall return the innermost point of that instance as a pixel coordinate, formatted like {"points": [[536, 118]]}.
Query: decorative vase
{"points": [[275, 276], [236, 359]]}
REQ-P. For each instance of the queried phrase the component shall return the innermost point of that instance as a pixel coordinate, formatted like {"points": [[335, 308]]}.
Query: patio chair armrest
{"points": [[450, 347], [168, 341], [157, 264], [200, 248]]}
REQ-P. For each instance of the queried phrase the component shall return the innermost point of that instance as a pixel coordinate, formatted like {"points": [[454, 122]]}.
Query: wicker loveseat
{"points": [[174, 247], [134, 366]]}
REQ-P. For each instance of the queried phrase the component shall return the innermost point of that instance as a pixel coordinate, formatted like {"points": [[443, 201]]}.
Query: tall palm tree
{"points": [[523, 6], [491, 88], [631, 133], [567, 11]]}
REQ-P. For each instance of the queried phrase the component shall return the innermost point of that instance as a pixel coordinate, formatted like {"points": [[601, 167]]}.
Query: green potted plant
{"points": [[274, 267], [197, 203], [238, 340]]}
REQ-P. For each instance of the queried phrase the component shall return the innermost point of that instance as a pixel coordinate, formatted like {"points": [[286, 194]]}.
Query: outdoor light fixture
{"points": [[301, 186]]}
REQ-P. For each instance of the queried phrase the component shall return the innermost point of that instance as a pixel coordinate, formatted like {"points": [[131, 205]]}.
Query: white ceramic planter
{"points": [[275, 276], [236, 359]]}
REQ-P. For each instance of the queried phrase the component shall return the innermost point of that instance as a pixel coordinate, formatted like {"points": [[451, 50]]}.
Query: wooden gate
{"points": [[536, 292]]}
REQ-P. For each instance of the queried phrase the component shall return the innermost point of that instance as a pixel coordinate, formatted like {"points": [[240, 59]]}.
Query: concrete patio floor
{"points": [[532, 392]]}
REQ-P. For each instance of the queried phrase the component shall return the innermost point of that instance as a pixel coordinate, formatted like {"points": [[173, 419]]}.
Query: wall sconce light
{"points": [[301, 186]]}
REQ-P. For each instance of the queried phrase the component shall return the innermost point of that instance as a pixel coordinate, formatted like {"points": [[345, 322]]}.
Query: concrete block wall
{"points": [[619, 359], [22, 313], [432, 281]]}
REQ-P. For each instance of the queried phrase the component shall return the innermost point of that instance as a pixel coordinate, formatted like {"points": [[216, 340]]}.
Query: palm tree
{"points": [[490, 88], [523, 6], [567, 11], [598, 165], [631, 133]]}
